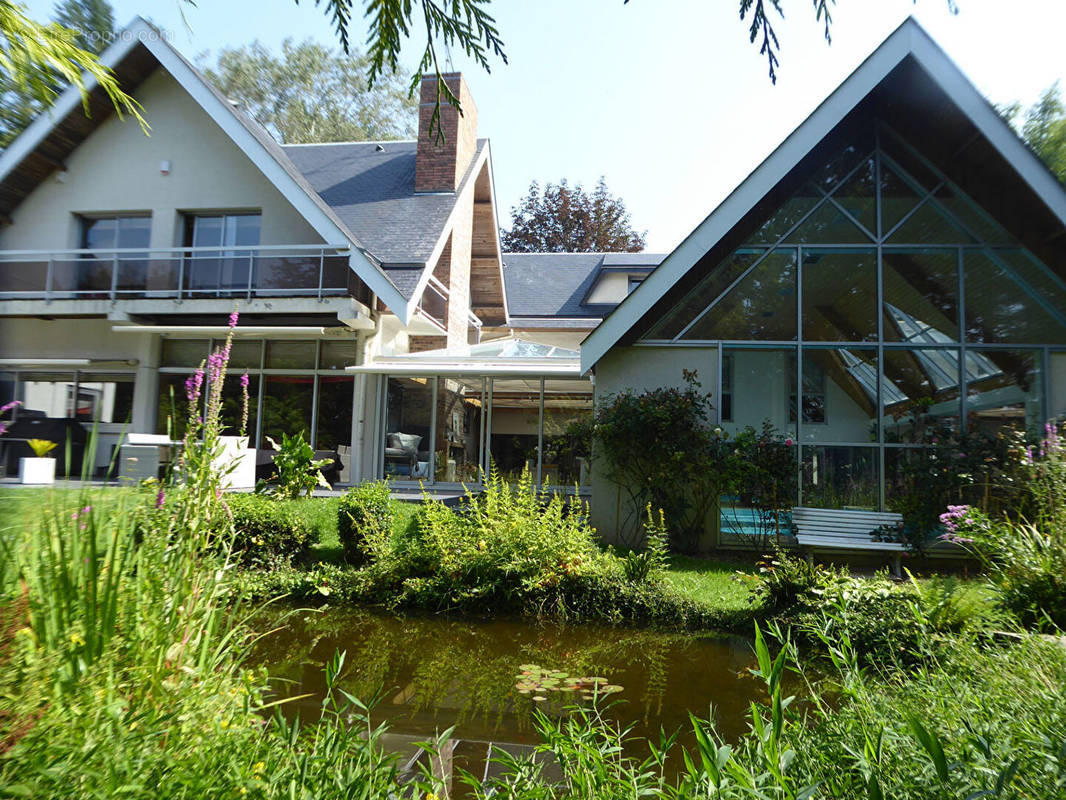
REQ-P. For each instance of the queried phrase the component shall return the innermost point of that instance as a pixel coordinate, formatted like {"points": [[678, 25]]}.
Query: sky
{"points": [[664, 98]]}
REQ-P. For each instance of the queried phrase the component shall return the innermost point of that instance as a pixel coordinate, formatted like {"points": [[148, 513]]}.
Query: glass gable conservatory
{"points": [[877, 306], [505, 405]]}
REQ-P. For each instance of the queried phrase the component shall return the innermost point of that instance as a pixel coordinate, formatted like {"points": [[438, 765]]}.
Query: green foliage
{"points": [[507, 550], [1025, 558], [92, 21], [977, 468], [783, 580], [1043, 126], [109, 665], [365, 520], [39, 60], [950, 728], [649, 563], [296, 471], [571, 220], [762, 464], [269, 532], [659, 448], [308, 93], [888, 623]]}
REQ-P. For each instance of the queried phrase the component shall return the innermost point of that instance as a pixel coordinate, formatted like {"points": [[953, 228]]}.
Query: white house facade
{"points": [[896, 266]]}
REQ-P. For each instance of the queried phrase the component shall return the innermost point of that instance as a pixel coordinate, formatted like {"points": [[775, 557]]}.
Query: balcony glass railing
{"points": [[191, 272], [434, 302]]}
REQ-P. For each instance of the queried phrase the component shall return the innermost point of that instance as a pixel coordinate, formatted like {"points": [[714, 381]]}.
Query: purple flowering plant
{"points": [[964, 524], [6, 407]]}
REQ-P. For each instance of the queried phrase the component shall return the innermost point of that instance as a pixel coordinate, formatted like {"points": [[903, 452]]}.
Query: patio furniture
{"points": [[834, 529], [401, 452], [143, 456]]}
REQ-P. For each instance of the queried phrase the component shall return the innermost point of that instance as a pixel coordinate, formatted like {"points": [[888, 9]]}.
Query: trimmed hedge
{"points": [[364, 510], [269, 532]]}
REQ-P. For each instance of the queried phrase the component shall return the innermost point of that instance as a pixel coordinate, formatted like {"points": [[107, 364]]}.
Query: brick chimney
{"points": [[440, 167]]}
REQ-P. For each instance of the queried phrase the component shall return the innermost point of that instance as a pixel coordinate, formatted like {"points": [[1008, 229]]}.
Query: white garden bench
{"points": [[832, 529]]}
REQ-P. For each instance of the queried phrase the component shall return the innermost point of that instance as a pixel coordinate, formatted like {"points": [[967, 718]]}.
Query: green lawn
{"points": [[324, 511], [711, 583]]}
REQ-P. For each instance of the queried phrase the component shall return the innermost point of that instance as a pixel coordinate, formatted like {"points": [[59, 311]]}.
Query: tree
{"points": [[38, 61], [466, 23], [1043, 126], [571, 220], [93, 22], [308, 93]]}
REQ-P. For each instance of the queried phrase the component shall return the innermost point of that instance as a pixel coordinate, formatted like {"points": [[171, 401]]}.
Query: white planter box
{"points": [[239, 460], [37, 470]]}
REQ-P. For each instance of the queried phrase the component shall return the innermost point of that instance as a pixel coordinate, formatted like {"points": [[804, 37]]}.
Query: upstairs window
{"points": [[223, 267], [222, 230], [109, 233]]}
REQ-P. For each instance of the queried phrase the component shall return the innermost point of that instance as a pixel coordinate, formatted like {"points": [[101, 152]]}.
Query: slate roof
{"points": [[370, 186], [554, 284]]}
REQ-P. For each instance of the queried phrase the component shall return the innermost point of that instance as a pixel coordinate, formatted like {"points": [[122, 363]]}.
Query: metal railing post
{"points": [[181, 274], [321, 271], [251, 270], [114, 276], [49, 280]]}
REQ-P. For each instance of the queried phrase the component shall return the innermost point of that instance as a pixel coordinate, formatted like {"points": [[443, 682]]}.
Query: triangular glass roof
{"points": [[512, 348], [876, 190], [508, 356]]}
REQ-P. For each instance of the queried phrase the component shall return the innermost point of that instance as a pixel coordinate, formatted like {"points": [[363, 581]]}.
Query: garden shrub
{"points": [[507, 550], [1025, 558], [296, 471], [364, 516], [268, 532], [659, 447]]}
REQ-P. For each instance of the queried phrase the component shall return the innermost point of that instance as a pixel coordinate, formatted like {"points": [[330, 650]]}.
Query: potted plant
{"points": [[236, 461], [41, 469]]}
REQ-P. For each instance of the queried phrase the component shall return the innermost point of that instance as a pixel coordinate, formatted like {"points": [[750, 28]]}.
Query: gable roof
{"points": [[370, 186], [924, 86], [556, 284], [48, 140]]}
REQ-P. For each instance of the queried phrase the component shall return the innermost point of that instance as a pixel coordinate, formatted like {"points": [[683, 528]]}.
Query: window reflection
{"points": [[921, 294], [839, 395], [921, 393], [839, 295], [761, 306], [287, 404], [1009, 298], [762, 387], [840, 477], [1009, 397]]}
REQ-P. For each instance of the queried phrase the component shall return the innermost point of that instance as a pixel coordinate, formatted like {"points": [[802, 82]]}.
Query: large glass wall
{"points": [[87, 396], [875, 311], [294, 386], [453, 429]]}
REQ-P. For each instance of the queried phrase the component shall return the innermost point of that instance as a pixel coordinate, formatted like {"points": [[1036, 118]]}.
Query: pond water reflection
{"points": [[434, 673]]}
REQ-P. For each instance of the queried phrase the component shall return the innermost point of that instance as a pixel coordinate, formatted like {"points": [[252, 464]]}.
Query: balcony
{"points": [[186, 273]]}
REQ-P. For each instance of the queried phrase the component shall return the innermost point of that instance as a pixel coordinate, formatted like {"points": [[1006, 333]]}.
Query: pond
{"points": [[485, 677]]}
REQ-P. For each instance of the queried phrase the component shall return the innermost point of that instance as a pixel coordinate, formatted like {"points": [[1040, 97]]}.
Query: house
{"points": [[895, 268], [122, 256]]}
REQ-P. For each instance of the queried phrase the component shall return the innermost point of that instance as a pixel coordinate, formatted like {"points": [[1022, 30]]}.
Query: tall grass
{"points": [[121, 660]]}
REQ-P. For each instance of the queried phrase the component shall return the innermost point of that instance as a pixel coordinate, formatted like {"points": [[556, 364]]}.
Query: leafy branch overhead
{"points": [[38, 60], [463, 23], [468, 25]]}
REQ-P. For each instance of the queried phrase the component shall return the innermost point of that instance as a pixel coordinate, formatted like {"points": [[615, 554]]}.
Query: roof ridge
{"points": [[355, 141]]}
